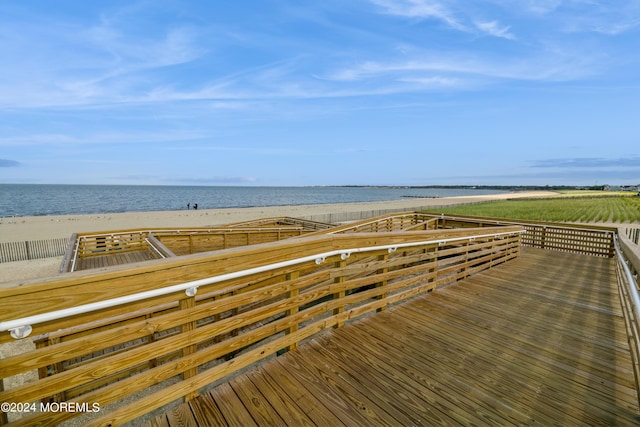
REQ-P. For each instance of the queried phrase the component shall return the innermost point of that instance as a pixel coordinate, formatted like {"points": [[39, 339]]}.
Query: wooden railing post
{"points": [[465, 269], [340, 265], [382, 284], [292, 311], [612, 246], [3, 415], [185, 304]]}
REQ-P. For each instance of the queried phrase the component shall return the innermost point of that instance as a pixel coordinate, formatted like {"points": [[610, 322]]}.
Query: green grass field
{"points": [[571, 207]]}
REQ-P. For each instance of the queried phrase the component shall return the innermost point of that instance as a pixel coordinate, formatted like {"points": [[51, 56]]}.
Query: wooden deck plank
{"points": [[350, 409], [536, 341], [282, 403], [594, 332], [398, 385], [358, 390], [480, 379], [525, 373], [231, 407], [206, 412], [258, 406], [113, 259], [160, 421], [424, 366], [181, 416], [287, 385]]}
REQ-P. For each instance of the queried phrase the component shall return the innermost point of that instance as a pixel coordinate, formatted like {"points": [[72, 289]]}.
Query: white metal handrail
{"points": [[154, 248], [529, 224], [633, 290], [21, 328], [75, 255], [635, 302]]}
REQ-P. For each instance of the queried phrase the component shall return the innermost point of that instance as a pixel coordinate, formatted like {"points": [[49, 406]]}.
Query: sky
{"points": [[331, 92]]}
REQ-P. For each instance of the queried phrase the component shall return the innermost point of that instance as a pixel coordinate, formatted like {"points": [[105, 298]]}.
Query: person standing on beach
{"points": [[195, 206], [188, 206]]}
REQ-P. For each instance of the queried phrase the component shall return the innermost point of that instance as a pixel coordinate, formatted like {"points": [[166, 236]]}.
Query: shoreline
{"points": [[25, 228]]}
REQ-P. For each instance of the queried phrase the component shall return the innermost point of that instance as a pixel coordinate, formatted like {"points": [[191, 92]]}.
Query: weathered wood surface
{"points": [[537, 341]]}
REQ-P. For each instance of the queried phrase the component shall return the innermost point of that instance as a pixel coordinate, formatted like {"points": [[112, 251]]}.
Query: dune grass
{"points": [[573, 207]]}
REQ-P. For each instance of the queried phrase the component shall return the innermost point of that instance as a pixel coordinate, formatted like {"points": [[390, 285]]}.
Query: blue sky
{"points": [[332, 92]]}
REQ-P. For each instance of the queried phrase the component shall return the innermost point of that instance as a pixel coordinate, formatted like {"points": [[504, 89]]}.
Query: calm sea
{"points": [[28, 199]]}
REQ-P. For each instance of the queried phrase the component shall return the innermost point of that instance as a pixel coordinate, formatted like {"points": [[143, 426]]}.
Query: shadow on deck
{"points": [[537, 341]]}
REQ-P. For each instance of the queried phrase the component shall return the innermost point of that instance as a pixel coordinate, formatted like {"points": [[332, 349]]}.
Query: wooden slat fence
{"points": [[572, 238], [187, 342], [575, 240], [633, 234], [32, 249]]}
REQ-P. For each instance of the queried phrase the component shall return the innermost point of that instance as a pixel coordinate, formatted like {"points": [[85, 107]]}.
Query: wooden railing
{"points": [[575, 238], [390, 222], [257, 301], [91, 246], [628, 263], [276, 222], [182, 241]]}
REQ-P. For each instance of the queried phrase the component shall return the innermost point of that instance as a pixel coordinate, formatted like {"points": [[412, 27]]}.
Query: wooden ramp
{"points": [[536, 341], [104, 261]]}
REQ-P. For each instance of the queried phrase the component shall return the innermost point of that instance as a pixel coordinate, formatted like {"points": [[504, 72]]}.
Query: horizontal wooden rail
{"points": [[232, 322]]}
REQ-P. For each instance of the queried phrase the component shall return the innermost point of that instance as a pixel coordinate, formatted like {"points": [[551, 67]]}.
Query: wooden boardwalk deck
{"points": [[102, 261], [537, 341]]}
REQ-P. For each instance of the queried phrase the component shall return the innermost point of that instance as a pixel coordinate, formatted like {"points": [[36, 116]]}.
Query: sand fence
{"points": [[32, 249]]}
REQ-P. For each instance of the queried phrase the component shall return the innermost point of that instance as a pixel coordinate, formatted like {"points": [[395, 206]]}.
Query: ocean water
{"points": [[33, 199]]}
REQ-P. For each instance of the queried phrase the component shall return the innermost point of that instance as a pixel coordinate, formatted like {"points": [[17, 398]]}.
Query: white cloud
{"points": [[493, 28], [460, 70], [419, 9]]}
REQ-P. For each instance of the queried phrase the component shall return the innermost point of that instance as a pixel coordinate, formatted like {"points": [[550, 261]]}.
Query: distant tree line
{"points": [[491, 187]]}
